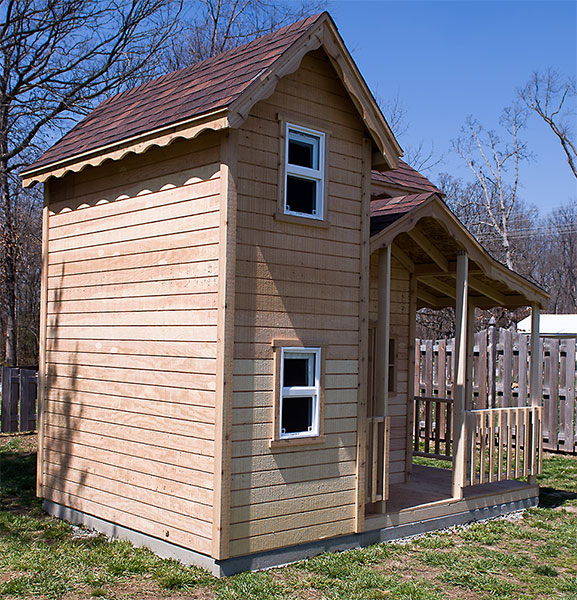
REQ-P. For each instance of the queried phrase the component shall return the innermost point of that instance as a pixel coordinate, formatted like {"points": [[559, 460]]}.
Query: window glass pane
{"points": [[303, 149], [297, 414], [301, 195], [298, 370]]}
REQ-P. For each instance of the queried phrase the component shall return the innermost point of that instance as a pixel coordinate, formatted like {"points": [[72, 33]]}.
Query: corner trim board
{"points": [[225, 344]]}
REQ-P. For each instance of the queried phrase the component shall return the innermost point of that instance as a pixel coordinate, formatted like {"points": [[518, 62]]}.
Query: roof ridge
{"points": [[179, 95], [210, 61]]}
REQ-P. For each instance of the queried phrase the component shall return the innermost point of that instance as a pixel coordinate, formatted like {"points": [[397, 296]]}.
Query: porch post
{"points": [[461, 330], [535, 358], [383, 331], [382, 362], [470, 355], [535, 375]]}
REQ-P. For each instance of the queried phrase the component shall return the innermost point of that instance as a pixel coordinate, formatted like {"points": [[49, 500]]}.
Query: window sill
{"points": [[297, 441], [322, 223]]}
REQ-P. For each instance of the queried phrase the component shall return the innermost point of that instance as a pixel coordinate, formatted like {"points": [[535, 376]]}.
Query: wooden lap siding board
{"points": [[400, 282], [131, 341], [296, 281]]}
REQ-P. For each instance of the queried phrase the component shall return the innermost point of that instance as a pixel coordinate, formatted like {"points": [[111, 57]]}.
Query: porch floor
{"points": [[428, 496]]}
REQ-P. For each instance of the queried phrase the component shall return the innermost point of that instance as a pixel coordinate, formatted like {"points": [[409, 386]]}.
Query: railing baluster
{"points": [[428, 408], [526, 446], [517, 442], [375, 457], [509, 443], [500, 442], [482, 449], [386, 445], [472, 418], [449, 430], [491, 440], [437, 428], [417, 424]]}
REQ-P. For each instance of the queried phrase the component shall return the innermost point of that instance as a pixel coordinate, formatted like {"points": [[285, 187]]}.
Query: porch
{"points": [[428, 497], [488, 449]]}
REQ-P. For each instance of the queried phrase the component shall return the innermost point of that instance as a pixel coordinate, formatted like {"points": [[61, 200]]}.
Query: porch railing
{"points": [[433, 427], [378, 429], [502, 443]]}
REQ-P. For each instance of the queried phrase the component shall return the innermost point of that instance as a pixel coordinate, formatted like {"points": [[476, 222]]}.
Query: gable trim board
{"points": [[322, 33]]}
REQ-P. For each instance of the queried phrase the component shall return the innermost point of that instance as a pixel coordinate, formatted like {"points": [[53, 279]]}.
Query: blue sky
{"points": [[450, 59]]}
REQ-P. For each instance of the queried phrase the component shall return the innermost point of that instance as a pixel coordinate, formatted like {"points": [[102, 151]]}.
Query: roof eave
{"points": [[188, 129], [436, 208]]}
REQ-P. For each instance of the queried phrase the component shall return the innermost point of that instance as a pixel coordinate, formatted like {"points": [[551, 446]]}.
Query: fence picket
{"points": [[501, 380], [569, 412]]}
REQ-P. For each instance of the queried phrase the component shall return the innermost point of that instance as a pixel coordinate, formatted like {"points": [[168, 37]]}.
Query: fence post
{"points": [[28, 394], [536, 377], [492, 364]]}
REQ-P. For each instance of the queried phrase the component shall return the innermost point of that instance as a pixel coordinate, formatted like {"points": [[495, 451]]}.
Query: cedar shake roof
{"points": [[201, 88], [405, 177], [385, 210]]}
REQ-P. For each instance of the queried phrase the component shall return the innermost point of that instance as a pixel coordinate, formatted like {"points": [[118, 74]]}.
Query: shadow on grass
{"points": [[553, 498], [18, 477]]}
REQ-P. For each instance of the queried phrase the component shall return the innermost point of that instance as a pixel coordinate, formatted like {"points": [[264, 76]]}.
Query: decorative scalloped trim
{"points": [[139, 148]]}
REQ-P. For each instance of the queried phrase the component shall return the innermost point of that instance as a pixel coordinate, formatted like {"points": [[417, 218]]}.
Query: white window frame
{"points": [[317, 175], [313, 391]]}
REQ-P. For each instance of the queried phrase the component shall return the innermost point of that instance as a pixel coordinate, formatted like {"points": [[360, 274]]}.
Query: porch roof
{"points": [[426, 238]]}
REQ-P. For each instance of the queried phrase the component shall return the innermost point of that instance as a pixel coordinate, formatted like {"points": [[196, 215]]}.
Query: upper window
{"points": [[304, 183], [300, 391]]}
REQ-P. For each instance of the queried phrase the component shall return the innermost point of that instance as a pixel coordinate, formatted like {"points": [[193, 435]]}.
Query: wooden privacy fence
{"points": [[18, 405], [501, 360]]}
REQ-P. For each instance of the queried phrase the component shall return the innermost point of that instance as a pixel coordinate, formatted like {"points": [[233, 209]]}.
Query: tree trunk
{"points": [[8, 263]]}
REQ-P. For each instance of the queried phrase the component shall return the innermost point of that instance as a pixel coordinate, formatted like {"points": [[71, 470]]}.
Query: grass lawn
{"points": [[528, 556]]}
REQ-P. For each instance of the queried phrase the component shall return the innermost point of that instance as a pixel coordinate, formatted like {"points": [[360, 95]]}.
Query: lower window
{"points": [[300, 391]]}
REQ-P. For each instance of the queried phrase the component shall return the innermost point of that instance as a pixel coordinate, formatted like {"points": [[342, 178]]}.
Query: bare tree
{"points": [[210, 27], [559, 251], [553, 98], [57, 57], [395, 113], [495, 165], [420, 157]]}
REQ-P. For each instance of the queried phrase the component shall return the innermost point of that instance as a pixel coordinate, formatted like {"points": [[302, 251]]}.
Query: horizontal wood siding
{"points": [[131, 341], [398, 402], [298, 282]]}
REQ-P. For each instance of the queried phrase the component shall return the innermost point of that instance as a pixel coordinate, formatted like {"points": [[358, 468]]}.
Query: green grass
{"points": [[530, 557]]}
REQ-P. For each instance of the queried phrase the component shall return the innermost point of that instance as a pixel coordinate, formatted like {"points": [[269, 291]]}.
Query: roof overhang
{"points": [[491, 283], [188, 129], [323, 33]]}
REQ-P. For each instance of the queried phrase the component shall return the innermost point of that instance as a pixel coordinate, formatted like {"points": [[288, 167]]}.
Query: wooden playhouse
{"points": [[233, 258]]}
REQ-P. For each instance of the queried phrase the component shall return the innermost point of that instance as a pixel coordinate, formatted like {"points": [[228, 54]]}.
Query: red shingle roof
{"points": [[398, 205], [385, 211], [405, 177], [177, 96]]}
